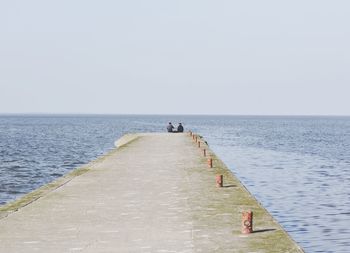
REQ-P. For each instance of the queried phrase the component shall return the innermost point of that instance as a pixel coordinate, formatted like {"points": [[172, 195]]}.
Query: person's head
{"points": [[169, 123], [180, 124]]}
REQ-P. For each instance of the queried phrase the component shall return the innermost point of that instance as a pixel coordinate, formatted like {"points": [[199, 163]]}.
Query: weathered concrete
{"points": [[153, 194]]}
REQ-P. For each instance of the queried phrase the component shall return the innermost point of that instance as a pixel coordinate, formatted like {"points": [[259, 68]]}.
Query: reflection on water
{"points": [[297, 167]]}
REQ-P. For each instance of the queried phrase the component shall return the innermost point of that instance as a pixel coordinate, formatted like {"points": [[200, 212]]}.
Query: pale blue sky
{"points": [[182, 57]]}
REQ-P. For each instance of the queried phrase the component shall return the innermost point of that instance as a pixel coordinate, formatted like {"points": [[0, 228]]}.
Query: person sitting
{"points": [[180, 128], [170, 127]]}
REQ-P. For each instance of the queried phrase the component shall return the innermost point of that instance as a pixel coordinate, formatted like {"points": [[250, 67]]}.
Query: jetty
{"points": [[156, 192]]}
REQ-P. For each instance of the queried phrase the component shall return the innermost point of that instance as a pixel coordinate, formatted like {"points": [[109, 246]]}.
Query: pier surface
{"points": [[153, 194]]}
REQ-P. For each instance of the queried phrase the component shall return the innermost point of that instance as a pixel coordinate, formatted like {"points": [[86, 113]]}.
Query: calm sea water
{"points": [[297, 167]]}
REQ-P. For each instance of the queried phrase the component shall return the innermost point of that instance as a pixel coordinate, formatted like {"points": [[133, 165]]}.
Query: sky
{"points": [[247, 57]]}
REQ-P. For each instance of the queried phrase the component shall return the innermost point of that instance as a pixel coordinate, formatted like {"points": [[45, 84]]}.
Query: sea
{"points": [[298, 167]]}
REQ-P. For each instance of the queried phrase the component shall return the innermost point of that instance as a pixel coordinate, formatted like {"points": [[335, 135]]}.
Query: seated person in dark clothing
{"points": [[170, 127], [180, 128]]}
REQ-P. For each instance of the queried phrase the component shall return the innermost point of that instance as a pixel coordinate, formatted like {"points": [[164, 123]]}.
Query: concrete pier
{"points": [[155, 193]]}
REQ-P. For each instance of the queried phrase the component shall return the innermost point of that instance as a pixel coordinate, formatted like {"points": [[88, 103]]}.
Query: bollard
{"points": [[219, 181], [199, 144], [204, 152], [247, 222], [196, 138], [190, 133], [210, 162]]}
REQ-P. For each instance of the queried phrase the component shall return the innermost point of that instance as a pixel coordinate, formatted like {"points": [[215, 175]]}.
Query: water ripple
{"points": [[297, 167]]}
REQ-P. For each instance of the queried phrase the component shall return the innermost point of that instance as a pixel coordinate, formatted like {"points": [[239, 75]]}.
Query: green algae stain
{"points": [[25, 200], [40, 192], [220, 209]]}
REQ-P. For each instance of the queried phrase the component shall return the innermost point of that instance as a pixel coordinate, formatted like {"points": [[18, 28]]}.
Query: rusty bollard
{"points": [[219, 181], [196, 138], [199, 144], [190, 133], [204, 152], [247, 222], [210, 162]]}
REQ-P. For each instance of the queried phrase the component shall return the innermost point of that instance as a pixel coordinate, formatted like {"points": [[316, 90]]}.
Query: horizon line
{"points": [[170, 114]]}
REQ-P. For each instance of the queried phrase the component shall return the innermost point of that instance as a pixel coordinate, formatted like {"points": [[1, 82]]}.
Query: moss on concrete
{"points": [[214, 214], [25, 200], [220, 209]]}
